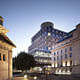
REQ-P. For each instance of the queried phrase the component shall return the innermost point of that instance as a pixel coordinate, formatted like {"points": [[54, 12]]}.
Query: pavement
{"points": [[60, 77], [51, 77], [23, 78], [20, 78]]}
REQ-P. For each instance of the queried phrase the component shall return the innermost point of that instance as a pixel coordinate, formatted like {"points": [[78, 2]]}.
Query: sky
{"points": [[23, 18]]}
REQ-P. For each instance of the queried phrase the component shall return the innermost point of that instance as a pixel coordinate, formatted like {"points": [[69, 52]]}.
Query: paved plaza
{"points": [[20, 78], [51, 77]]}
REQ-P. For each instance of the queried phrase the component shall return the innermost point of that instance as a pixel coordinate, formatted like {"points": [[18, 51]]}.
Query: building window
{"points": [[49, 34], [4, 57], [0, 56], [70, 48], [61, 51], [49, 48], [57, 57], [61, 64], [54, 53], [70, 69], [53, 35], [65, 56], [57, 53], [61, 57], [70, 62], [65, 50], [65, 63], [70, 55], [54, 59]]}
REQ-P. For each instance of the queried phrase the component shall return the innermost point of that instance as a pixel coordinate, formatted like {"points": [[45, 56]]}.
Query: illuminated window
{"points": [[49, 34], [4, 57], [56, 65], [52, 65], [63, 63], [0, 56], [49, 48]]}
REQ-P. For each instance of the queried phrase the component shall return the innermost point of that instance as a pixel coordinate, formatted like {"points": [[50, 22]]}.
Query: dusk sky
{"points": [[23, 18]]}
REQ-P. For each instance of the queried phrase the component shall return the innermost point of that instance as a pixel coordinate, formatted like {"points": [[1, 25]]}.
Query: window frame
{"points": [[4, 57]]}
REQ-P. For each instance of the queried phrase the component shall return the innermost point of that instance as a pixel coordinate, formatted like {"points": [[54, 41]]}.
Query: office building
{"points": [[44, 39], [66, 53], [42, 57]]}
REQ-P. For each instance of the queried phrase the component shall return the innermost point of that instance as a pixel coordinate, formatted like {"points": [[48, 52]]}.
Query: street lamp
{"points": [[25, 76], [35, 77]]}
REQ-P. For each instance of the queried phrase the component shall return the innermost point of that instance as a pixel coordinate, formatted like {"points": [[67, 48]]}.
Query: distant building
{"points": [[44, 39], [6, 46], [66, 53]]}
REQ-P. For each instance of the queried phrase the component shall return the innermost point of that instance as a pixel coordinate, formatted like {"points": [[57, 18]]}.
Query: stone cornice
{"points": [[3, 30]]}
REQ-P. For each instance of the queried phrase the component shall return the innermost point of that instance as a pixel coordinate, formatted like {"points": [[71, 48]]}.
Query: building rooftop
{"points": [[41, 50], [5, 39], [65, 38]]}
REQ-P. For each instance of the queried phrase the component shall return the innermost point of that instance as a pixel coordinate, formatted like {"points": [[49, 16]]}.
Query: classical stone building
{"points": [[66, 53], [6, 46]]}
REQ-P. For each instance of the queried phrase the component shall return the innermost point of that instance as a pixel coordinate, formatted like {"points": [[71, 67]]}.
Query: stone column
{"points": [[10, 65]]}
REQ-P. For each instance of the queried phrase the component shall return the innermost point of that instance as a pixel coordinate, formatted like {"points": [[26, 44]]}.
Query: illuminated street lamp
{"points": [[35, 77], [25, 76]]}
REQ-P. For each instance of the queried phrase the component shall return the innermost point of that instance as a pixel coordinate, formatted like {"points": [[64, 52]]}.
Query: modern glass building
{"points": [[46, 37], [43, 40]]}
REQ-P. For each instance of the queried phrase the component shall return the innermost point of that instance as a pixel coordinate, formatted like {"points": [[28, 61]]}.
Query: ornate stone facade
{"points": [[6, 46]]}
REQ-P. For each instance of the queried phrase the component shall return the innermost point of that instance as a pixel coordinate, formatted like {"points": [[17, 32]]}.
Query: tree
{"points": [[24, 61], [14, 62]]}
